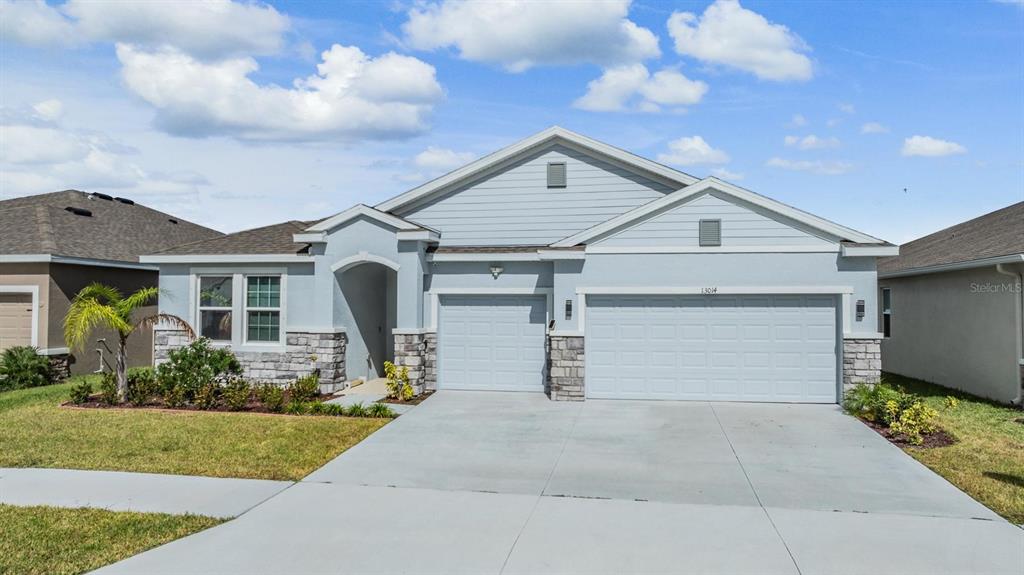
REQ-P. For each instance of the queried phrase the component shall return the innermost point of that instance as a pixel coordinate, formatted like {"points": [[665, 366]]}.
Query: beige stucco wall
{"points": [[958, 329], [38, 275]]}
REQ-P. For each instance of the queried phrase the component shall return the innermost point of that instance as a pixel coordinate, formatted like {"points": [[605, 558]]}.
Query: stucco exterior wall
{"points": [[957, 329]]}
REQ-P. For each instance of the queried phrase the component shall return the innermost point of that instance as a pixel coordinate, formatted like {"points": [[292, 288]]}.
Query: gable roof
{"points": [[114, 230], [522, 147], [276, 239], [999, 233], [358, 210], [714, 184]]}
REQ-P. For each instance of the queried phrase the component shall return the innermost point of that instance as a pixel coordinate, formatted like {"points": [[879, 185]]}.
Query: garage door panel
{"points": [[728, 348], [493, 342], [15, 320]]}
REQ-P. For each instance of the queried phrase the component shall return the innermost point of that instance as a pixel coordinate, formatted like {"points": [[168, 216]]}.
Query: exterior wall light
{"points": [[860, 309], [496, 270], [568, 309]]}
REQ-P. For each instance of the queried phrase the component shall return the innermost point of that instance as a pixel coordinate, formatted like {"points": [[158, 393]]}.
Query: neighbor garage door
{"points": [[15, 320], [723, 348], [493, 342]]}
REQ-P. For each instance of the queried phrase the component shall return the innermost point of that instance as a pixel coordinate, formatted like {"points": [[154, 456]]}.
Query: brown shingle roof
{"points": [[115, 230], [999, 233], [273, 239]]}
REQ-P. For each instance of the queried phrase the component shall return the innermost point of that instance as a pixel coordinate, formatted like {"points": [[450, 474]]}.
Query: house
{"points": [[951, 306], [558, 264], [53, 245]]}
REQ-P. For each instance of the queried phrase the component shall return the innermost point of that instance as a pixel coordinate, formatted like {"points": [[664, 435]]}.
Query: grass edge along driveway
{"points": [[987, 460], [36, 432]]}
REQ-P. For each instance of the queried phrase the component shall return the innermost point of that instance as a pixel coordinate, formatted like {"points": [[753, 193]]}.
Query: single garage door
{"points": [[493, 342], [720, 348], [15, 320]]}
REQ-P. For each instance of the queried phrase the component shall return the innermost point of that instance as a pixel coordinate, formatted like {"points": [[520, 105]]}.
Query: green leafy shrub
{"points": [[304, 388], [108, 388], [951, 402], [871, 402], [316, 408], [195, 366], [380, 410], [398, 381], [22, 367], [296, 408], [81, 391], [236, 392], [271, 396], [174, 396], [206, 395], [356, 410], [142, 385], [333, 409], [913, 422]]}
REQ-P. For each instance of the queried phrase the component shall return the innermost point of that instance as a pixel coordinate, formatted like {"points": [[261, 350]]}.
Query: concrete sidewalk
{"points": [[147, 492]]}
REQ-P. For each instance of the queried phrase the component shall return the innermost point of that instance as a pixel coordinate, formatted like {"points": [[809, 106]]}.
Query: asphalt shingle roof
{"points": [[999, 233], [114, 230], [273, 239]]}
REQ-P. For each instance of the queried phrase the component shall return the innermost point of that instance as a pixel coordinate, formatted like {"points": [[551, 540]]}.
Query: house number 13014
{"points": [[709, 290]]}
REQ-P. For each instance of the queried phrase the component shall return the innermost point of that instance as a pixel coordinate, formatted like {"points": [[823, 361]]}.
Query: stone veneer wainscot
{"points": [[417, 350], [862, 361], [283, 367], [565, 368]]}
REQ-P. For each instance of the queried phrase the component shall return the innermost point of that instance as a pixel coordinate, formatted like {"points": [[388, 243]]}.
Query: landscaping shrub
{"points": [[195, 366], [174, 396], [356, 410], [81, 391], [206, 395], [871, 402], [271, 396], [22, 367], [108, 388], [913, 422], [142, 385], [316, 408], [304, 388], [398, 381], [333, 409], [236, 394], [296, 408], [380, 410]]}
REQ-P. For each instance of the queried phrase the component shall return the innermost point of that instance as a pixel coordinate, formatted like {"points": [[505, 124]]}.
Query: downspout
{"points": [[1019, 305]]}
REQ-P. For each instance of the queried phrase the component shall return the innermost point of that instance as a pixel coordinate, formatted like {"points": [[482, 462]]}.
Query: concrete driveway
{"points": [[514, 483]]}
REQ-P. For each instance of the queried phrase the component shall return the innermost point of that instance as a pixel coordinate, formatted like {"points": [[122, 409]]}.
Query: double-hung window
{"points": [[262, 309], [216, 300], [886, 312]]}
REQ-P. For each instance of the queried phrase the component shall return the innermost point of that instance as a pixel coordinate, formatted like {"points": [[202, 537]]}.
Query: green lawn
{"points": [[987, 461], [36, 432], [52, 541]]}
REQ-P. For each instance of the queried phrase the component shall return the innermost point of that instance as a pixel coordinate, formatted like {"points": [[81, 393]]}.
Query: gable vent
{"points": [[710, 233], [556, 174], [79, 211]]}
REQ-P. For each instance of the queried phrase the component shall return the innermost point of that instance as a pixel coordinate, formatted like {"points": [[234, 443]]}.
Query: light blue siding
{"points": [[515, 207], [742, 226]]}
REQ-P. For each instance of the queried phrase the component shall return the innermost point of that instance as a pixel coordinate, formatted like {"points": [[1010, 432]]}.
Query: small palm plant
{"points": [[98, 305]]}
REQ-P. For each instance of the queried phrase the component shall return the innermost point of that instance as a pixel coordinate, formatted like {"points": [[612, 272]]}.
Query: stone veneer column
{"points": [[862, 362], [418, 351], [60, 367], [304, 352], [566, 368]]}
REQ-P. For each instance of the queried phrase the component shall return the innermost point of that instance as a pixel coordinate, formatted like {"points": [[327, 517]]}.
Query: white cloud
{"points": [[351, 96], [929, 146], [619, 86], [726, 174], [35, 23], [798, 121], [519, 35], [731, 35], [692, 151], [828, 168], [847, 108], [49, 110], [873, 128], [441, 159], [811, 142]]}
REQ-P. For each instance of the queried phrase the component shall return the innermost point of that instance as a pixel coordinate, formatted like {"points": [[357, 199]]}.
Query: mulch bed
{"points": [[938, 439], [414, 401]]}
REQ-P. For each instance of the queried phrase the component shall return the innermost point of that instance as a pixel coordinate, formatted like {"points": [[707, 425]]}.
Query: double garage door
{"points": [[720, 348]]}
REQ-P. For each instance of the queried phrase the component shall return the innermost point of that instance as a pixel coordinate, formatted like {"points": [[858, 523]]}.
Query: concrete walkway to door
{"points": [[513, 483]]}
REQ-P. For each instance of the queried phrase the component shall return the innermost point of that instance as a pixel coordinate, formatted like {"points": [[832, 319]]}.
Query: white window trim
{"points": [[435, 299], [239, 332], [279, 309], [34, 291], [198, 314]]}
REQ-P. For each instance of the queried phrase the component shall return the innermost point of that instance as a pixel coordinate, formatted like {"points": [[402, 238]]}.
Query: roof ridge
{"points": [[46, 229]]}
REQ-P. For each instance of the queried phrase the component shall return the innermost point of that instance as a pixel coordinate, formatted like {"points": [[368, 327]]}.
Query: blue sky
{"points": [[895, 118]]}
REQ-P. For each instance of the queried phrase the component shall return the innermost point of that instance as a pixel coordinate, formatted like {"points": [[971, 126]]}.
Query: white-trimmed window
{"points": [[216, 304], [263, 309]]}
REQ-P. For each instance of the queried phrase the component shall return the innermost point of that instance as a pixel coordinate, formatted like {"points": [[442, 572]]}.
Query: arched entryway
{"points": [[366, 298]]}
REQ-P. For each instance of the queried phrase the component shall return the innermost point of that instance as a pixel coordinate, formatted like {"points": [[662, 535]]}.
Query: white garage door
{"points": [[15, 320], [493, 342], [721, 348]]}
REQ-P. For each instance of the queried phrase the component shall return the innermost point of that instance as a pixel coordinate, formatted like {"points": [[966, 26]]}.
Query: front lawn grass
{"points": [[987, 461], [36, 432], [56, 541]]}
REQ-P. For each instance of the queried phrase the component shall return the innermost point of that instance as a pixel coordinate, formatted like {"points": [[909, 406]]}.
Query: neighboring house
{"points": [[952, 303], [53, 245], [557, 264]]}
